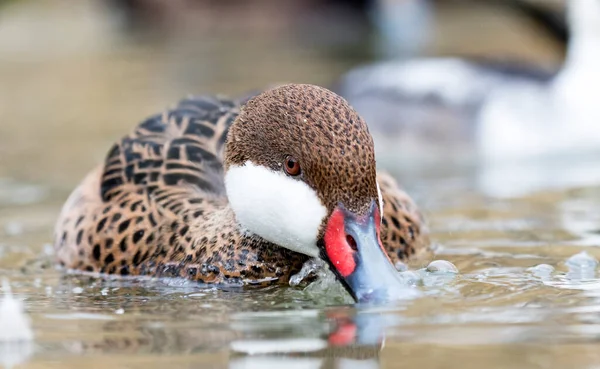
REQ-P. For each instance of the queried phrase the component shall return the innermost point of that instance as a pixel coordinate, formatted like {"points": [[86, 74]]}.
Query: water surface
{"points": [[74, 79]]}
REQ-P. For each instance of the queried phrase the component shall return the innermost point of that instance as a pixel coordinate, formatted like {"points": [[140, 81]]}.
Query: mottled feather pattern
{"points": [[404, 233], [157, 206], [183, 145], [153, 207]]}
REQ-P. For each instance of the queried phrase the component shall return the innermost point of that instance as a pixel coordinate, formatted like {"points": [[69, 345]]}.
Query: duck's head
{"points": [[300, 173]]}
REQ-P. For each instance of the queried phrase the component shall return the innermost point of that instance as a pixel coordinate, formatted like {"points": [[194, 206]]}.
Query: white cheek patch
{"points": [[276, 207]]}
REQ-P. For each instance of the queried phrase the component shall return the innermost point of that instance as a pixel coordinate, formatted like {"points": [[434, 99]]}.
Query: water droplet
{"points": [[541, 270], [77, 290], [409, 277], [310, 267], [581, 266], [582, 260], [442, 266], [401, 267]]}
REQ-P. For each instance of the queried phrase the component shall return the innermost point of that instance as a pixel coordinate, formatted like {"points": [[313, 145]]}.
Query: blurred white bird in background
{"points": [[492, 112]]}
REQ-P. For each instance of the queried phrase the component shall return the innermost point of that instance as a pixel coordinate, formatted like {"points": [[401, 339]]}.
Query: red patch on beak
{"points": [[337, 248], [344, 335]]}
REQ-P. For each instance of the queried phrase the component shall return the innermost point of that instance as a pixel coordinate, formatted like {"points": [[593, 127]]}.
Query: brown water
{"points": [[72, 81]]}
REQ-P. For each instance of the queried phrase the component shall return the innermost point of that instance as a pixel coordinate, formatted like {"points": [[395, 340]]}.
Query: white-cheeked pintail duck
{"points": [[225, 191]]}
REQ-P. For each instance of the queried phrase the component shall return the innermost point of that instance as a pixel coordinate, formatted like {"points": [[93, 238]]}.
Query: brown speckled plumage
{"points": [[157, 206], [321, 131], [404, 233]]}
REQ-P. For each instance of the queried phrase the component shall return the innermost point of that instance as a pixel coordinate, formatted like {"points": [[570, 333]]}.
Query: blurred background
{"points": [[76, 75]]}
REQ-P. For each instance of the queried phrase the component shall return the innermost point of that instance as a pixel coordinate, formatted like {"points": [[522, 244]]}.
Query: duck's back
{"points": [[183, 145], [169, 168]]}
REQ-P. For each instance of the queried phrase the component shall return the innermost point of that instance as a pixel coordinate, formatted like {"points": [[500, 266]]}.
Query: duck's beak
{"points": [[355, 253]]}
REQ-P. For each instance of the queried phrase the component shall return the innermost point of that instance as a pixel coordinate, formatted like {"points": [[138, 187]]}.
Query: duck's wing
{"points": [[181, 147], [169, 168], [404, 233]]}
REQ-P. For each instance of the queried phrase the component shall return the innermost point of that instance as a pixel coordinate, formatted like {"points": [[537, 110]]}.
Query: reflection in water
{"points": [[275, 362], [16, 335], [73, 81], [14, 353], [341, 336]]}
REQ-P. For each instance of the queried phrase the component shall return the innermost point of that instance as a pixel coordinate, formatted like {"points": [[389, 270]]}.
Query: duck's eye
{"points": [[292, 167]]}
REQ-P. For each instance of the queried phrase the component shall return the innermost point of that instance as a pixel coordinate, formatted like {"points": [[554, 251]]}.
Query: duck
{"points": [[484, 110], [245, 191]]}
